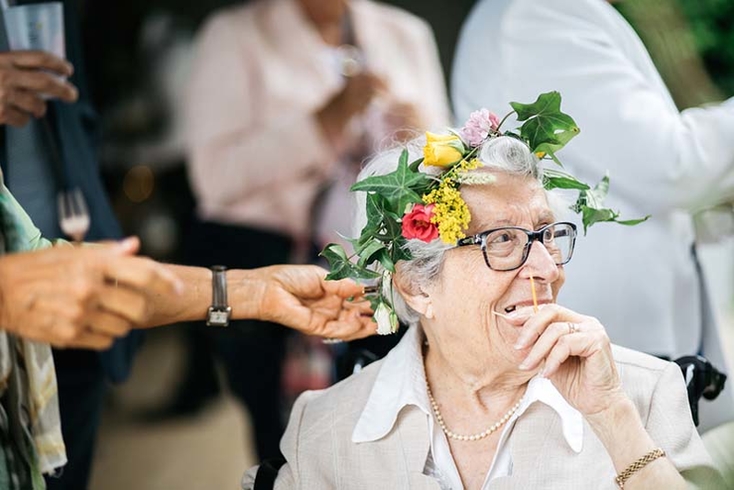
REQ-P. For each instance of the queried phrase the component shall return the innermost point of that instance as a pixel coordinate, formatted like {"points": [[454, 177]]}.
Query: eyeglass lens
{"points": [[507, 248]]}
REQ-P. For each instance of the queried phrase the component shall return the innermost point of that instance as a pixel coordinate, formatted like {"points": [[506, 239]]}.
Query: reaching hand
{"points": [[80, 297], [26, 79], [578, 357], [299, 297]]}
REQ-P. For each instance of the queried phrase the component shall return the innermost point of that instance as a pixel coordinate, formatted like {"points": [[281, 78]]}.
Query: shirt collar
{"points": [[401, 382], [572, 422]]}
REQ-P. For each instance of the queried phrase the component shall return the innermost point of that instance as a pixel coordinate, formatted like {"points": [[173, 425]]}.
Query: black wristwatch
{"points": [[219, 311]]}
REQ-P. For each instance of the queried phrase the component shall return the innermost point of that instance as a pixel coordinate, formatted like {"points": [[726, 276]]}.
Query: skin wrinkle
{"points": [[495, 384]]}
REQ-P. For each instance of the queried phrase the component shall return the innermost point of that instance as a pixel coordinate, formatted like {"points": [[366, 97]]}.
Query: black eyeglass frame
{"points": [[480, 239]]}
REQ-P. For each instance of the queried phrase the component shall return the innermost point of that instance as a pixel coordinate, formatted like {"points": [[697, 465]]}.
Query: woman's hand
{"points": [[578, 357], [80, 297], [299, 297]]}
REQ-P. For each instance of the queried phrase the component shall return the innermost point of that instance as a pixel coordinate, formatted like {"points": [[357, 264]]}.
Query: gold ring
{"points": [[572, 328]]}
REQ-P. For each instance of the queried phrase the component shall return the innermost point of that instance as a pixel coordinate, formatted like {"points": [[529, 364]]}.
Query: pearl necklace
{"points": [[472, 437]]}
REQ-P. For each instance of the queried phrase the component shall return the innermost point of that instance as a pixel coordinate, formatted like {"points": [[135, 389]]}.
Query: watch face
{"points": [[218, 318]]}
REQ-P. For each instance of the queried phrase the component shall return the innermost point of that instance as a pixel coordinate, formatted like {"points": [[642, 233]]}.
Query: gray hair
{"points": [[502, 154]]}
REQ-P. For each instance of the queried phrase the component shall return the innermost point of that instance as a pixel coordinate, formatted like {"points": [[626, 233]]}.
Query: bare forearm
{"points": [[626, 440], [243, 289]]}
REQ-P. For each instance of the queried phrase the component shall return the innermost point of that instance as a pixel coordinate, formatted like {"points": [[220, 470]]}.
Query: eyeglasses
{"points": [[508, 248]]}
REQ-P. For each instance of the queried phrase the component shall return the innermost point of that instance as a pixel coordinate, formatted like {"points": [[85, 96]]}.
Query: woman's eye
{"points": [[501, 238]]}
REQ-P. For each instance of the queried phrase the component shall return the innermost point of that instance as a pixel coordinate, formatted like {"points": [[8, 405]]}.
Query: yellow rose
{"points": [[442, 150]]}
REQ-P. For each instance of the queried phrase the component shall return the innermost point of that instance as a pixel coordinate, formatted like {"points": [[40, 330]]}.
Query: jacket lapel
{"points": [[530, 446], [413, 438]]}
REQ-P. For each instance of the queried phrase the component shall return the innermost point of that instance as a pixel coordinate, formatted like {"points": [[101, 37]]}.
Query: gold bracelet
{"points": [[638, 465]]}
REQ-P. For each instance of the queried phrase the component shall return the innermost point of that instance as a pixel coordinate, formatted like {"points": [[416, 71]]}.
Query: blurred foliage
{"points": [[690, 43], [712, 24]]}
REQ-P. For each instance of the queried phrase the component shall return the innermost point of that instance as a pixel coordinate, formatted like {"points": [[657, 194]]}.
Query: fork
{"points": [[73, 214]]}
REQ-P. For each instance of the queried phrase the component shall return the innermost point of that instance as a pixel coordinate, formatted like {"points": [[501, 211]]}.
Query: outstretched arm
{"points": [[293, 295]]}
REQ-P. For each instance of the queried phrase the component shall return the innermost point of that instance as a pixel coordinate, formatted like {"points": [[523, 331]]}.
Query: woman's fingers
{"points": [[544, 344], [534, 327], [573, 345], [108, 323], [562, 340], [125, 303]]}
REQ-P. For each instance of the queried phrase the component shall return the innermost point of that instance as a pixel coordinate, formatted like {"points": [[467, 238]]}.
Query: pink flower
{"points": [[417, 224], [478, 127]]}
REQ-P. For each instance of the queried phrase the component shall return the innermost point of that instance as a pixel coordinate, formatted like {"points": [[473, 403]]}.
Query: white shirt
{"points": [[641, 282], [402, 382]]}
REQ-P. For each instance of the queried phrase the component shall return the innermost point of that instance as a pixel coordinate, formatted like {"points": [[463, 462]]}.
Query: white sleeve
{"points": [[659, 158]]}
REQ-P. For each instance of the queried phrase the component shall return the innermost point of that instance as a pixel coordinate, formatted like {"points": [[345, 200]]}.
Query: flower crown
{"points": [[410, 204]]}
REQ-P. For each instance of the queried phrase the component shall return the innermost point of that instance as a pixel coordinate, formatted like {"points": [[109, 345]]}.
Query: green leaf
{"points": [[633, 222], [545, 127], [554, 179], [590, 204], [339, 264], [403, 160], [341, 267], [590, 215], [381, 221], [368, 251], [595, 197], [398, 187], [398, 251], [383, 256], [416, 163]]}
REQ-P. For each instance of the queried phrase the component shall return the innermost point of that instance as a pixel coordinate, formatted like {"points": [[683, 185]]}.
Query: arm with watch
{"points": [[292, 295]]}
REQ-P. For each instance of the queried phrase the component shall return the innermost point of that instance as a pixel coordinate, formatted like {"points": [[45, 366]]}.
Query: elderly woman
{"points": [[494, 385]]}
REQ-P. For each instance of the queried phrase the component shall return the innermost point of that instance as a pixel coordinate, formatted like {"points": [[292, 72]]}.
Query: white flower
{"points": [[387, 320]]}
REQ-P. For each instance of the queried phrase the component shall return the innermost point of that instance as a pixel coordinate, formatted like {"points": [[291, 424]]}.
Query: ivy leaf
{"points": [[339, 264], [383, 256], [416, 163], [381, 221], [554, 179], [546, 128], [398, 187], [367, 252], [590, 215], [341, 267], [595, 197], [633, 222], [398, 251], [590, 204]]}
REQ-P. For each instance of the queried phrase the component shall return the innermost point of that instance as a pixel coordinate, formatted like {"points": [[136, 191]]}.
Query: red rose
{"points": [[417, 224]]}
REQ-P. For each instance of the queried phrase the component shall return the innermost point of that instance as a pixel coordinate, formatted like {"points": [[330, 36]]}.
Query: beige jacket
{"points": [[321, 455]]}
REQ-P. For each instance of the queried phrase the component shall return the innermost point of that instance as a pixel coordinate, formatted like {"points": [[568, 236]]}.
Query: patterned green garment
{"points": [[30, 431]]}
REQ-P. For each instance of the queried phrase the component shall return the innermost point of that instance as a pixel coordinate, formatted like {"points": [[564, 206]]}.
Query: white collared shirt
{"points": [[402, 382]]}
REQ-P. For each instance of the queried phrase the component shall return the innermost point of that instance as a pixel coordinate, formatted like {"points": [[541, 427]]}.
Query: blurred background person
{"points": [[286, 99], [671, 164], [48, 151]]}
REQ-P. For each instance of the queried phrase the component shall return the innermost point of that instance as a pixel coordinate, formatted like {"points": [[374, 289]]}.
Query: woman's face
{"points": [[466, 293]]}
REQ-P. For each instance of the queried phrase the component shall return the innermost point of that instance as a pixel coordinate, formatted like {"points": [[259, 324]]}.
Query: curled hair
{"points": [[502, 154]]}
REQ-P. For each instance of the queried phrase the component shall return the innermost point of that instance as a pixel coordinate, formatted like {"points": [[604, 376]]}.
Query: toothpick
{"points": [[535, 296], [506, 317]]}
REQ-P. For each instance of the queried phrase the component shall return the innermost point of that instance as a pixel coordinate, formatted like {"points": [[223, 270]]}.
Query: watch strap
{"points": [[219, 287]]}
